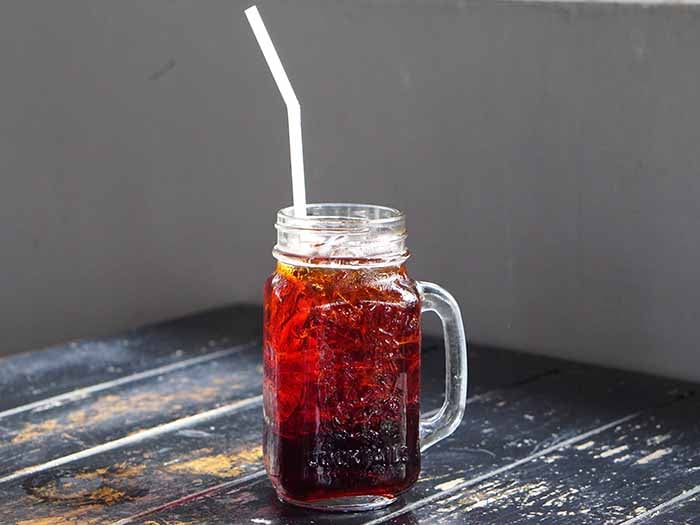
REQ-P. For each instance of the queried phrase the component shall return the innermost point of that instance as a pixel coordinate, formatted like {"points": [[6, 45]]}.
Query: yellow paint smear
{"points": [[221, 465], [107, 495], [78, 418], [92, 475], [112, 406], [35, 430], [130, 471], [109, 491], [120, 470]]}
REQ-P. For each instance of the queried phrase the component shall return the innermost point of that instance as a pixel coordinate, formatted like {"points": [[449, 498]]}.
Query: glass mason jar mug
{"points": [[342, 332]]}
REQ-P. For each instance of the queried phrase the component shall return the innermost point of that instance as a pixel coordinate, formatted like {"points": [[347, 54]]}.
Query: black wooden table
{"points": [[162, 426]]}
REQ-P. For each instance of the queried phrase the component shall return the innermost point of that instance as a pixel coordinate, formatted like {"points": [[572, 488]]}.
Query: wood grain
{"points": [[212, 456], [162, 427], [32, 438], [39, 376], [127, 481], [503, 429], [609, 478]]}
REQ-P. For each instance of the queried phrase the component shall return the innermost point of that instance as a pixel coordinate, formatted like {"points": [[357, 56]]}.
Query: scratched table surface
{"points": [[161, 426]]}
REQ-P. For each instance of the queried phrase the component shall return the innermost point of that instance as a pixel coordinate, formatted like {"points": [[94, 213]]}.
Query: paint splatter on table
{"points": [[161, 426]]}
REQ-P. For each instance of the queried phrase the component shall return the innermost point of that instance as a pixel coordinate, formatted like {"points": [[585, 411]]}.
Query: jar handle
{"points": [[437, 426]]}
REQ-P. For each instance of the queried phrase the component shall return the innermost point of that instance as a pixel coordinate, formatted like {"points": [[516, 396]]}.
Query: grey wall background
{"points": [[546, 155]]}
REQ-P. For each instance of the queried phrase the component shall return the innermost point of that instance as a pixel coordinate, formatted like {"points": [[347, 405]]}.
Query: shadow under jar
{"points": [[342, 331]]}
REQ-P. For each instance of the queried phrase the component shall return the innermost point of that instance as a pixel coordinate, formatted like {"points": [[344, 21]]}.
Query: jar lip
{"points": [[345, 217], [341, 233]]}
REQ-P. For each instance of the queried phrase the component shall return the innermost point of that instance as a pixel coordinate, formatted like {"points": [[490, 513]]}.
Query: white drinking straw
{"points": [[296, 152]]}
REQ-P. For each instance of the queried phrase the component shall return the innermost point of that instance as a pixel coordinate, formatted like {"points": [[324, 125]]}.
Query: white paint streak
{"points": [[623, 458], [552, 458], [613, 451], [654, 456], [560, 500], [479, 504], [449, 484], [657, 440], [260, 520], [584, 446]]}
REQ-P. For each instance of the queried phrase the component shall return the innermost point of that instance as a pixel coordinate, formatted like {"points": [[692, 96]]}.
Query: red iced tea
{"points": [[341, 381]]}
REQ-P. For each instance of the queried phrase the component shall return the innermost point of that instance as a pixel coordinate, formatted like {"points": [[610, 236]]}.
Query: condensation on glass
{"points": [[342, 332]]}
